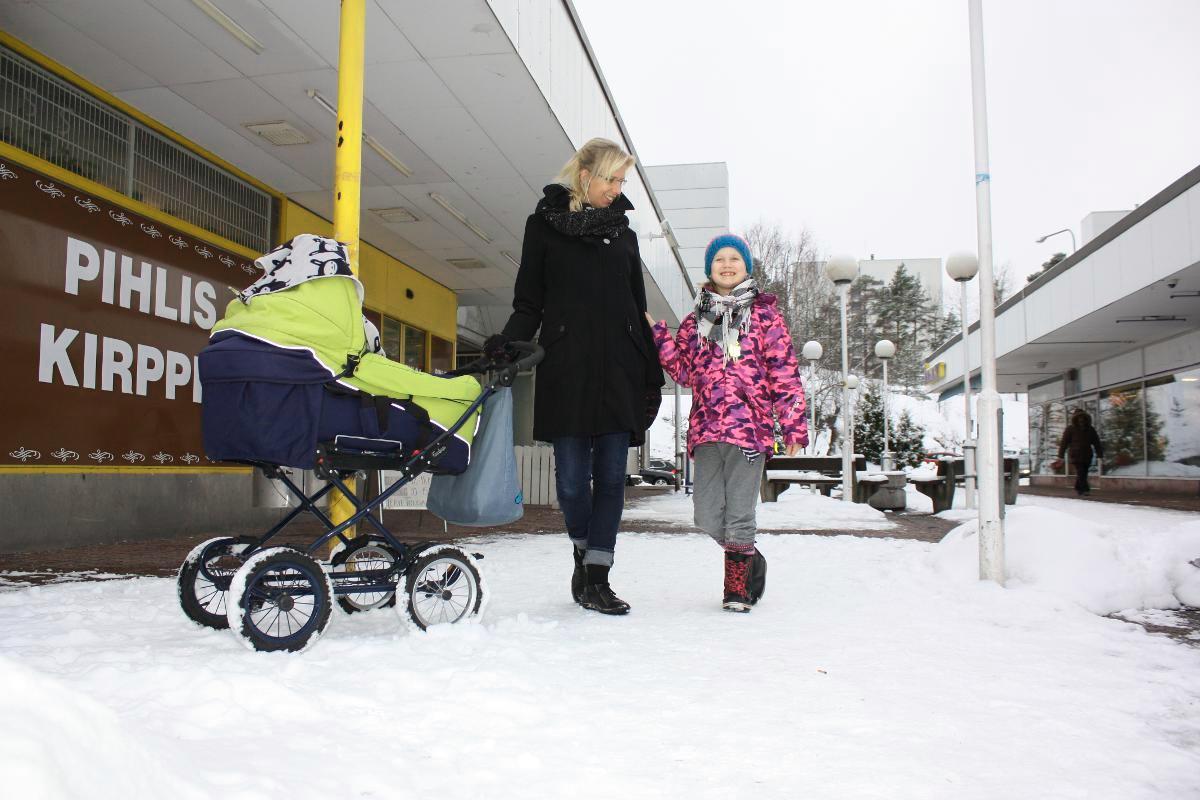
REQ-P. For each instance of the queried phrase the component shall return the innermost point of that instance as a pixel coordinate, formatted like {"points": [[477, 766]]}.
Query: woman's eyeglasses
{"points": [[618, 181]]}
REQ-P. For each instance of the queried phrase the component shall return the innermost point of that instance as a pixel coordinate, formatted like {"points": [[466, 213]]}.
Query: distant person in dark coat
{"points": [[600, 384], [1078, 441]]}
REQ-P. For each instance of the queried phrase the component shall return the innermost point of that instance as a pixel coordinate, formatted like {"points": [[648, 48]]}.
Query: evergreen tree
{"points": [[908, 441], [1126, 440], [868, 423]]}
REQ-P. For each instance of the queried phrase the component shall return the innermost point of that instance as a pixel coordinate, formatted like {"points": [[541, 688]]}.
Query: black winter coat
{"points": [[1077, 442], [587, 296]]}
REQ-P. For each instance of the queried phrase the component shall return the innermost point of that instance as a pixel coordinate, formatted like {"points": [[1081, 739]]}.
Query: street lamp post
{"points": [[962, 267], [812, 351], [884, 350], [852, 387], [991, 512], [1064, 230], [842, 270]]}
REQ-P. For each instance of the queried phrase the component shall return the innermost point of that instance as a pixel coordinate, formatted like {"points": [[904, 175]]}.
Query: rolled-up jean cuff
{"points": [[602, 558], [580, 544]]}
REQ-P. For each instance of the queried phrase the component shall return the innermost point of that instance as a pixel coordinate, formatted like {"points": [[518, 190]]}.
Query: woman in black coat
{"points": [[1078, 441], [599, 385]]}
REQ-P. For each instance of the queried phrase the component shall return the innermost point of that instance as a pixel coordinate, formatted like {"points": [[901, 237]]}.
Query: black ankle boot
{"points": [[756, 584], [579, 576], [598, 595]]}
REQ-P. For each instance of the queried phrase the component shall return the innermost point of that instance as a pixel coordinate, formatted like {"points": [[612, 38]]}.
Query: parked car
{"points": [[1023, 460], [659, 472], [633, 480]]}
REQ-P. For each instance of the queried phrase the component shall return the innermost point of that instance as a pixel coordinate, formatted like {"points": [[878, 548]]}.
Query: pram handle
{"points": [[531, 356]]}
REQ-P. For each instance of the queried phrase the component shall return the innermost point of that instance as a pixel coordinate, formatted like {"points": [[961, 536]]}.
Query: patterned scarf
{"points": [[607, 223], [724, 318]]}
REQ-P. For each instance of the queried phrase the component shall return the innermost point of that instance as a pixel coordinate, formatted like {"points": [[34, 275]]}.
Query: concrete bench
{"points": [[821, 472], [939, 488], [951, 473]]}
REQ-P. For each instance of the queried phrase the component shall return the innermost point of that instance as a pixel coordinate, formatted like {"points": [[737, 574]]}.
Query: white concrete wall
{"points": [[695, 201], [927, 270]]}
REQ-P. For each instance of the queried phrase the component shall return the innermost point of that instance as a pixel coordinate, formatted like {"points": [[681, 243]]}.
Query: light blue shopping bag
{"points": [[489, 491]]}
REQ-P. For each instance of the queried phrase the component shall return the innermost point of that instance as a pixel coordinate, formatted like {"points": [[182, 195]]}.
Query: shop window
{"points": [[1123, 432], [1173, 426], [390, 330], [414, 347], [441, 355], [1046, 425]]}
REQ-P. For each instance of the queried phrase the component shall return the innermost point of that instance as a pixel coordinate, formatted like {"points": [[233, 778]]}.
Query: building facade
{"points": [[1111, 330], [150, 151]]}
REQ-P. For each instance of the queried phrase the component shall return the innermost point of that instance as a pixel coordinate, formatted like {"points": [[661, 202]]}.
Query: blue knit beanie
{"points": [[727, 240]]}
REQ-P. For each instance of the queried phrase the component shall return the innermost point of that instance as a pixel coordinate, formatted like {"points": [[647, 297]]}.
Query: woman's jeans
{"points": [[590, 478]]}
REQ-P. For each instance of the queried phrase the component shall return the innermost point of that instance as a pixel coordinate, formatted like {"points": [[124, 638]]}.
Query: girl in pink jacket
{"points": [[735, 353]]}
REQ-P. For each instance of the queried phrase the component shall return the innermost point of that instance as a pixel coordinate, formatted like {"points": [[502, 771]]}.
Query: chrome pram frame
{"points": [[280, 598]]}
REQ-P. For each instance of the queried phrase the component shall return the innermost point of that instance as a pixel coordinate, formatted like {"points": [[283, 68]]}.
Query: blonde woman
{"points": [[599, 386]]}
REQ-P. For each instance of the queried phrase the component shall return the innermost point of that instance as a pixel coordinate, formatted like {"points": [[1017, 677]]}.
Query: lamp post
{"points": [[812, 351], [884, 350], [962, 267], [1064, 230], [842, 270], [991, 512]]}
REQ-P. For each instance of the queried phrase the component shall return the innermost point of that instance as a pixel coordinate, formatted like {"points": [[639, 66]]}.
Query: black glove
{"points": [[495, 347], [653, 402]]}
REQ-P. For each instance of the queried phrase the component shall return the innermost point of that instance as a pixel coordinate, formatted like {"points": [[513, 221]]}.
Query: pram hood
{"points": [[322, 314]]}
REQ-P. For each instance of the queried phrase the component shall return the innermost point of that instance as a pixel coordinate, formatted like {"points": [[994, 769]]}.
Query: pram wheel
{"points": [[283, 600], [204, 576], [363, 553], [443, 586]]}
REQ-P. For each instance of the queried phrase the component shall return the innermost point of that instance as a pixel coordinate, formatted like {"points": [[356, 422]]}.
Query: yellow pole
{"points": [[347, 169]]}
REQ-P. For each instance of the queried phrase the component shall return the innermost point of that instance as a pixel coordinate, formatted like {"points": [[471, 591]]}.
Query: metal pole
{"points": [[968, 466], [991, 521], [847, 430], [887, 450], [678, 450], [347, 170], [812, 408]]}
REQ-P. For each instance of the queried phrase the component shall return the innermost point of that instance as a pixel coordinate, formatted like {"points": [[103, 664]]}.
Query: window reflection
{"points": [[1173, 426], [1122, 431]]}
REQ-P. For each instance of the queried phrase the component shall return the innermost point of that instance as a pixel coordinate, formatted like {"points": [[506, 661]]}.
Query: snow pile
{"points": [[1102, 568], [58, 742], [798, 509]]}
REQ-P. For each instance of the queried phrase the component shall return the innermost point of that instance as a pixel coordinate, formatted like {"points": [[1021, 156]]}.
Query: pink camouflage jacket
{"points": [[733, 401]]}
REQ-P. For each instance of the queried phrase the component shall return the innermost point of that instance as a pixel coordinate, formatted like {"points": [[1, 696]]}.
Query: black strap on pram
{"points": [[382, 404], [352, 361]]}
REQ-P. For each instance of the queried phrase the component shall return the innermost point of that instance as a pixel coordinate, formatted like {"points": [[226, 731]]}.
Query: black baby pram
{"points": [[289, 382]]}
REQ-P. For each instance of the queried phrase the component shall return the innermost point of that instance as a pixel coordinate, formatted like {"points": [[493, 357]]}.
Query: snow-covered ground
{"points": [[873, 668], [798, 508]]}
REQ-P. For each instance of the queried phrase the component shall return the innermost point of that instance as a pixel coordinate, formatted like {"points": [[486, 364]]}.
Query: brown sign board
{"points": [[104, 313]]}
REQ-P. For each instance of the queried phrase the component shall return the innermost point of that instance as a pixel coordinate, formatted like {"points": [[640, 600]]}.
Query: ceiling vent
{"points": [[466, 263], [278, 133], [395, 215]]}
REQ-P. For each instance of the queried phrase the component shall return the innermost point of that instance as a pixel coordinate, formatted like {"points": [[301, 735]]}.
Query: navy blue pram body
{"points": [[265, 403]]}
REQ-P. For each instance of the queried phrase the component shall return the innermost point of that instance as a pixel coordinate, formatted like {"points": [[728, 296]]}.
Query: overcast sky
{"points": [[852, 118]]}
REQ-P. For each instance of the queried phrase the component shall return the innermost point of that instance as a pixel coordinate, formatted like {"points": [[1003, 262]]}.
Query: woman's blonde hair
{"points": [[601, 158]]}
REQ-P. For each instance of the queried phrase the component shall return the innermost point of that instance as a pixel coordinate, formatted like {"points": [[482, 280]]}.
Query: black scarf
{"points": [[608, 223]]}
